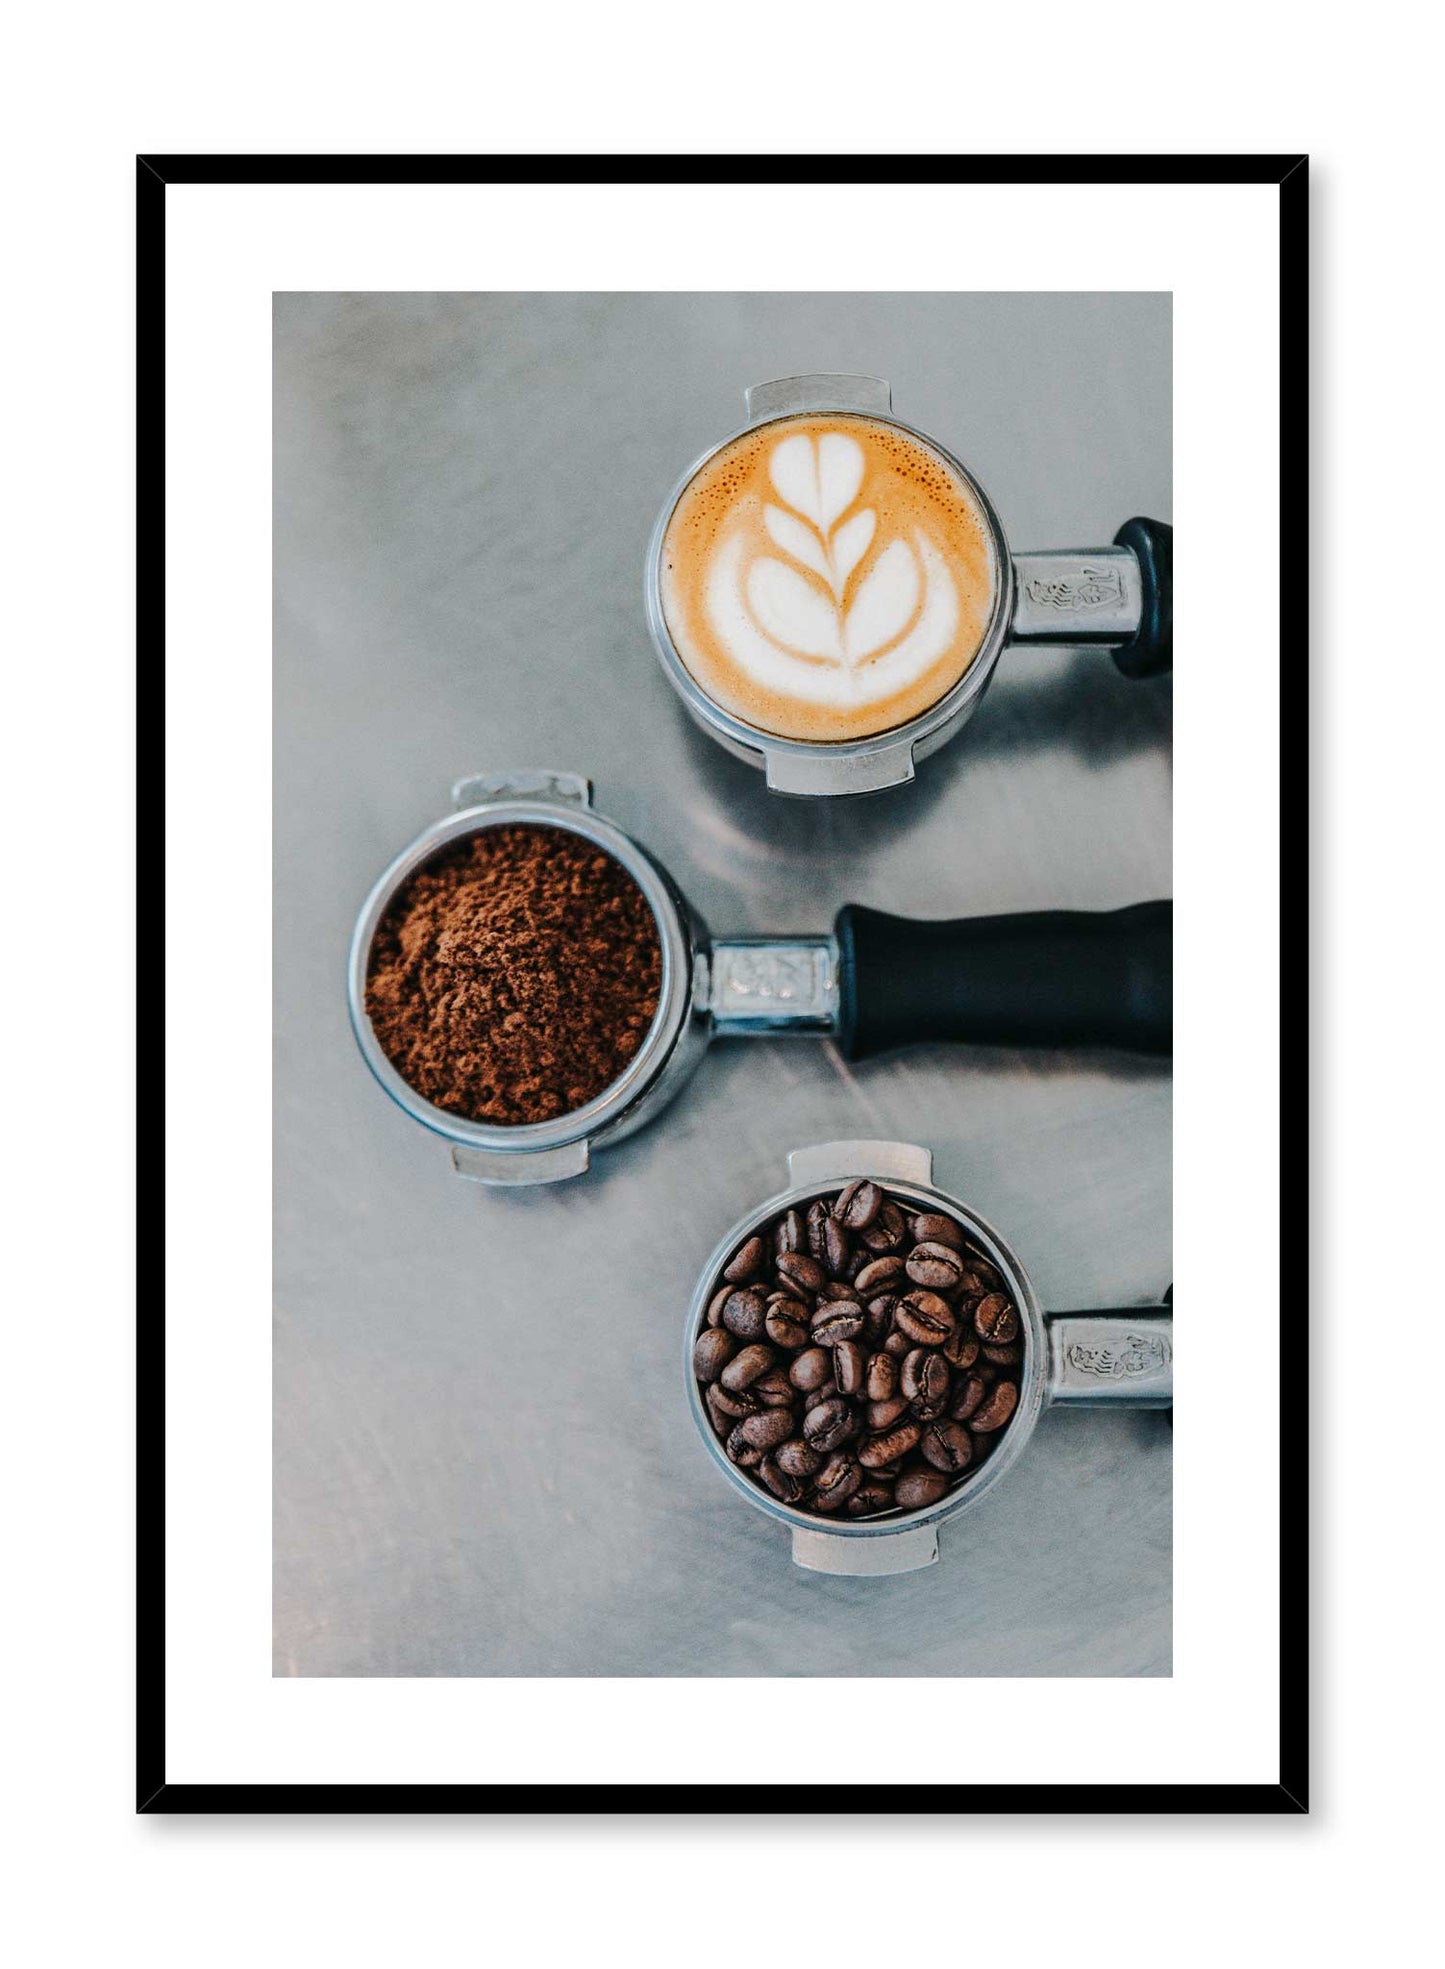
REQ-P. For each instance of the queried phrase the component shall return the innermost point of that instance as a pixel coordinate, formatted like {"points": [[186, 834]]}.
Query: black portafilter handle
{"points": [[1150, 651], [1056, 978]]}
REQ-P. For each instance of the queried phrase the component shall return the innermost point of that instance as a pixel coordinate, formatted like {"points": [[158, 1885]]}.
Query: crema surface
{"points": [[826, 577]]}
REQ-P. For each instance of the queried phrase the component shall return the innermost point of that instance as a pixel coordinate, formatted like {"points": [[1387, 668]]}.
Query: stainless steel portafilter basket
{"points": [[1116, 1359], [1119, 597], [876, 982]]}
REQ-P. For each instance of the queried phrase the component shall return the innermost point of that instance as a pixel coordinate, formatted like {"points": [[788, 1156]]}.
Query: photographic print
{"points": [[774, 950]]}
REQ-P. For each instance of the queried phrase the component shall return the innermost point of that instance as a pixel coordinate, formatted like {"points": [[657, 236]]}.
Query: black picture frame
{"points": [[1290, 172]]}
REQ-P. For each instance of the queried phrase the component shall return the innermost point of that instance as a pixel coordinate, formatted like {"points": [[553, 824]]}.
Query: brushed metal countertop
{"points": [[484, 1463]]}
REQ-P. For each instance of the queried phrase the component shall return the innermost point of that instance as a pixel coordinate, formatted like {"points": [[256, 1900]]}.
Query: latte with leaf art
{"points": [[826, 577]]}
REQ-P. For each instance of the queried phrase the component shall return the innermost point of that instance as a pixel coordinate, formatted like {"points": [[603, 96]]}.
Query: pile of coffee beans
{"points": [[859, 1356]]}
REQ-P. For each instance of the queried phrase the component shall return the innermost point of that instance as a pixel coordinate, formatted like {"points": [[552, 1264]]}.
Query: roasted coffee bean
{"points": [[774, 1389], [835, 1483], [837, 1247], [917, 1489], [798, 1459], [898, 1343], [744, 1368], [836, 1320], [925, 1380], [1004, 1356], [883, 1414], [829, 1424], [721, 1421], [967, 1398], [880, 1317], [882, 1378], [802, 1271], [788, 1488], [836, 1288], [858, 1205], [879, 1273], [996, 1320], [961, 1347], [827, 1391], [745, 1314], [715, 1348], [948, 1446], [811, 1369], [735, 1402], [925, 1318], [930, 1228], [850, 1367], [786, 1323], [715, 1305], [910, 1370], [858, 1258], [817, 1217], [997, 1410], [987, 1372], [886, 1445], [768, 1430], [888, 1231], [869, 1499], [747, 1263], [791, 1234], [937, 1266], [741, 1451]]}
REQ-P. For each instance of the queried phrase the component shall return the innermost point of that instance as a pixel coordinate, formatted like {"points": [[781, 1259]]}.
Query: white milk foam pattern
{"points": [[792, 624], [827, 577]]}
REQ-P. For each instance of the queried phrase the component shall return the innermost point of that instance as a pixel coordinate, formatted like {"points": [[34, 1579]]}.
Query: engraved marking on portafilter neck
{"points": [[1092, 588], [1139, 1354], [767, 985], [1105, 1358], [1094, 596]]}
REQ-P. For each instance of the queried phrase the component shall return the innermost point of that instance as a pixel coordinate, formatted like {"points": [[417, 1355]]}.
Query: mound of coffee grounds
{"points": [[515, 975]]}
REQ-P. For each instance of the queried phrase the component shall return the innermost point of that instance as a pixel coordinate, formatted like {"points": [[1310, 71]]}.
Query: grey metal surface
{"points": [[484, 1463]]}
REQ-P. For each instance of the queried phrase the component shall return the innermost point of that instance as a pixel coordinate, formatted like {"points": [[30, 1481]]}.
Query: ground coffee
{"points": [[515, 975]]}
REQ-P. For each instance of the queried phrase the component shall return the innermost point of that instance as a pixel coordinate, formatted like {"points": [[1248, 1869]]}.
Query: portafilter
{"points": [[1122, 1358], [876, 982], [1119, 598]]}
